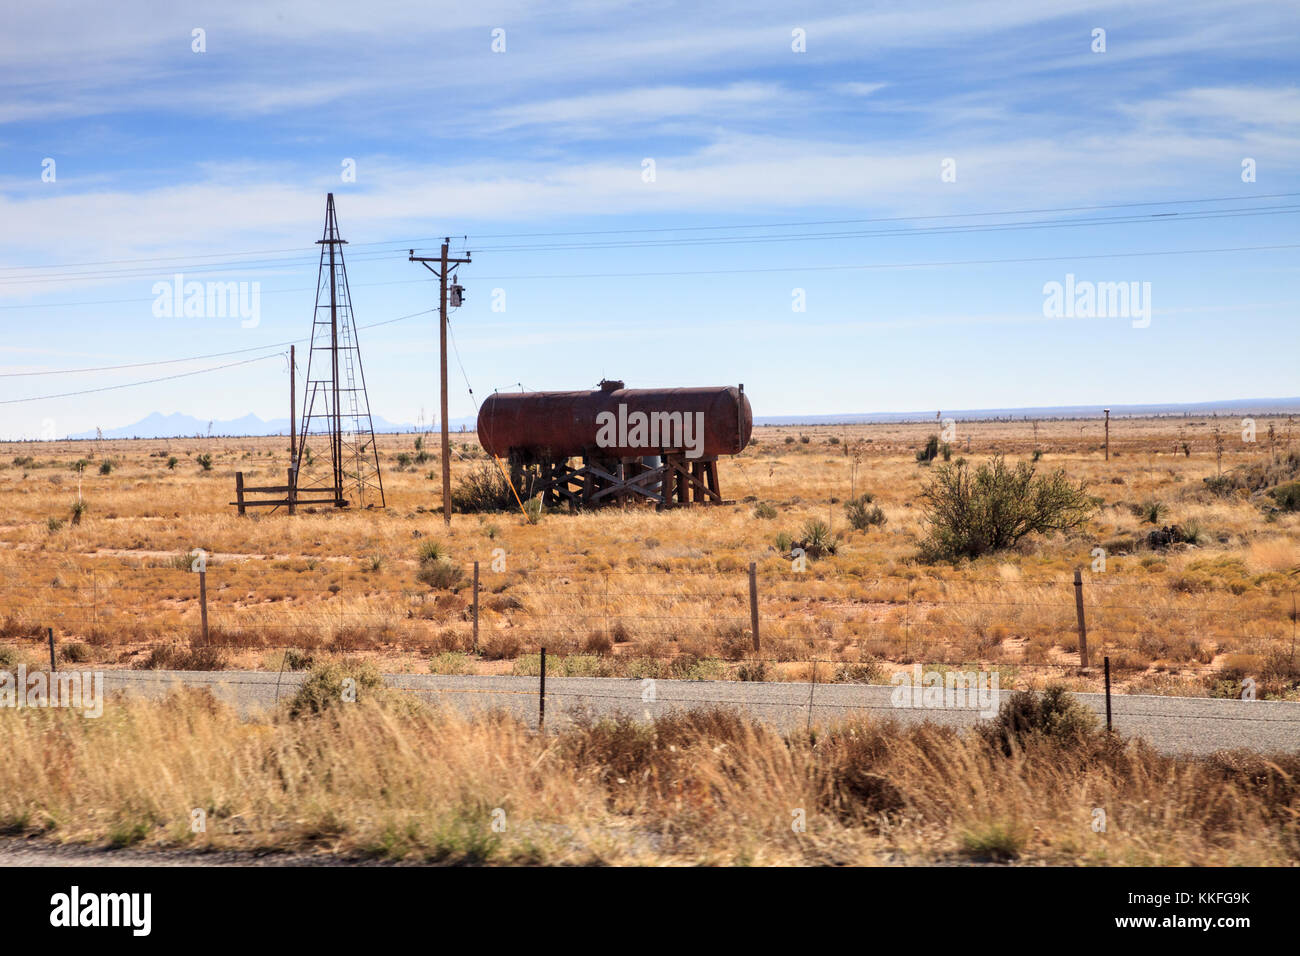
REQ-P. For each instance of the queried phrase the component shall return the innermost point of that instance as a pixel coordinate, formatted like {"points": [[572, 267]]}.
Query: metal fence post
{"points": [[50, 631], [541, 697], [1106, 662]]}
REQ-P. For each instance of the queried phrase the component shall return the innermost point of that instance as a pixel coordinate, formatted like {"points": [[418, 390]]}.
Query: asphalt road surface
{"points": [[1193, 725]]}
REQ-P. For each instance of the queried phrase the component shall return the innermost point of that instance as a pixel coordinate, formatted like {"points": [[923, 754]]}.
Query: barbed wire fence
{"points": [[581, 616]]}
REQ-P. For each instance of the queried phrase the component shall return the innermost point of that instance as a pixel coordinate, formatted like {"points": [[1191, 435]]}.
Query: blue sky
{"points": [[216, 165]]}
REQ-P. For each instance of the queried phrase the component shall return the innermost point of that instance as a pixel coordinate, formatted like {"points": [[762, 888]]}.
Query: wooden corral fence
{"points": [[288, 495]]}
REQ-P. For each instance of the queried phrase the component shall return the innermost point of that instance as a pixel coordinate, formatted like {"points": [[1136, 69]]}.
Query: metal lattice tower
{"points": [[335, 406]]}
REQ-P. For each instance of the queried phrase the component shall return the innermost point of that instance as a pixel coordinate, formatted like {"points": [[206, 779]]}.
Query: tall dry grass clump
{"points": [[388, 778]]}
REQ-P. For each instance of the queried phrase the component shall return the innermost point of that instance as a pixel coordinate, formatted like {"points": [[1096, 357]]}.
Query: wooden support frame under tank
{"points": [[677, 482]]}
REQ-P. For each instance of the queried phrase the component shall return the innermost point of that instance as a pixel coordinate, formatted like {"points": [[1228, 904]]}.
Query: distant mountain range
{"points": [[177, 425]]}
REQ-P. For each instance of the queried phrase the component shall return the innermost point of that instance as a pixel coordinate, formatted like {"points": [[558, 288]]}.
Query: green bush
{"points": [[1287, 496], [862, 514], [436, 570], [484, 488], [968, 514], [1054, 714], [1150, 511], [816, 539], [930, 452], [764, 510], [205, 461], [325, 686]]}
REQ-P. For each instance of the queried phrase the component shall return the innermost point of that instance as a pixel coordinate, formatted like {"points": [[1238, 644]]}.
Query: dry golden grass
{"points": [[636, 584], [398, 781]]}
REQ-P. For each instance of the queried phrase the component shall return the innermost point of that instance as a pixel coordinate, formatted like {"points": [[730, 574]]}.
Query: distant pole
{"points": [[1107, 411], [1078, 610], [1106, 662]]}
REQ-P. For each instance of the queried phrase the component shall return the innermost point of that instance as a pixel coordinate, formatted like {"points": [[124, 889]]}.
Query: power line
{"points": [[255, 265], [892, 265], [110, 388], [195, 358], [599, 232], [808, 268]]}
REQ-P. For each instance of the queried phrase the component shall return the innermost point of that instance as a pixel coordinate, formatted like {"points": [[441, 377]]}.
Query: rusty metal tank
{"points": [[602, 423]]}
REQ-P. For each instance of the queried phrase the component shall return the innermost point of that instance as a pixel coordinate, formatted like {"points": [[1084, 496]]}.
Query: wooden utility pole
{"points": [[441, 272], [1107, 411], [293, 433]]}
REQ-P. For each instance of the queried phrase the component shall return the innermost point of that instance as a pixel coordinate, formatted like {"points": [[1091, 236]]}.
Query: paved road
{"points": [[1194, 725]]}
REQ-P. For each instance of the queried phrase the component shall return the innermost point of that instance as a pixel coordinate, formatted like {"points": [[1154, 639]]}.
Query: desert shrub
{"points": [[598, 643], [76, 652], [533, 509], [997, 841], [105, 467], [53, 524], [172, 462], [204, 461], [1287, 496], [764, 510], [483, 488], [325, 686], [816, 539], [173, 657], [451, 662], [863, 672], [296, 660], [930, 451], [436, 569], [8, 659], [970, 514], [1150, 511], [1054, 714], [862, 514]]}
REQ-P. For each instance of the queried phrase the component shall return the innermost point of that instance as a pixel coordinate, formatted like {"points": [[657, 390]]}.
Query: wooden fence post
{"points": [[1078, 610], [476, 608], [239, 491], [53, 665], [203, 603], [293, 494], [753, 602]]}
